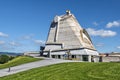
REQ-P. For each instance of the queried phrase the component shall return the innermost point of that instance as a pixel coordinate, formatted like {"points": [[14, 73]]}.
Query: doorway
{"points": [[85, 57]]}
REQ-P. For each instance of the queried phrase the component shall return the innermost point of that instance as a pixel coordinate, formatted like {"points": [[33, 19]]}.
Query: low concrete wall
{"points": [[33, 54], [96, 59], [111, 59]]}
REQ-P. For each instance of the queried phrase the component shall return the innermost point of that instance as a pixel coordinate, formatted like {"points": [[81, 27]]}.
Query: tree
{"points": [[11, 57], [41, 50], [4, 59]]}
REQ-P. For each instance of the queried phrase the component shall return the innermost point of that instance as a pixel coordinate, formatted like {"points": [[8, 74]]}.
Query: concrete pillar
{"points": [[80, 57], [61, 56], [89, 58], [49, 53]]}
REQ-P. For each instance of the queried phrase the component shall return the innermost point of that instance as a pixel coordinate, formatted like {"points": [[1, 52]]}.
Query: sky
{"points": [[24, 24]]}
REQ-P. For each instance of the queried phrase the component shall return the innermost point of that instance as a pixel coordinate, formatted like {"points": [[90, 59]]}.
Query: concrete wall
{"points": [[96, 59], [53, 47], [111, 59], [32, 54]]}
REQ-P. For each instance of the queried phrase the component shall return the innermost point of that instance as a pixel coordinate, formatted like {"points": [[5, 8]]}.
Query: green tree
{"points": [[4, 59], [11, 57]]}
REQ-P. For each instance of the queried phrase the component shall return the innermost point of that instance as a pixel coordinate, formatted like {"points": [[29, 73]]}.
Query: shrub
{"points": [[11, 57], [4, 59]]}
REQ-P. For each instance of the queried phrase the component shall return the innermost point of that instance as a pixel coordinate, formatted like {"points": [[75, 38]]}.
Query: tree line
{"points": [[5, 58]]}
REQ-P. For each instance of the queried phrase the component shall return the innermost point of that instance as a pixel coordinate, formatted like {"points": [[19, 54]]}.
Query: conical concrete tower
{"points": [[66, 38]]}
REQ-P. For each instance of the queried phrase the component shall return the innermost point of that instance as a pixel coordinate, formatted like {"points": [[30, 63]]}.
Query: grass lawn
{"points": [[70, 71], [18, 60]]}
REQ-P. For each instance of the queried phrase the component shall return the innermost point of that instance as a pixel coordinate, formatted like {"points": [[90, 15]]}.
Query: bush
{"points": [[11, 57], [4, 59]]}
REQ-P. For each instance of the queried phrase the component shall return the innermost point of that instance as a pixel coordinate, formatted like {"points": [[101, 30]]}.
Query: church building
{"points": [[68, 40]]}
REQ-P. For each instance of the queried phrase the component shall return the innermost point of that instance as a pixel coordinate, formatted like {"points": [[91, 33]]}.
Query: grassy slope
{"points": [[71, 71], [17, 61]]}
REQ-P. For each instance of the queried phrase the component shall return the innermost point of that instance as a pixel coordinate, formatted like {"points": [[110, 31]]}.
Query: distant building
{"points": [[110, 57], [68, 40], [32, 53]]}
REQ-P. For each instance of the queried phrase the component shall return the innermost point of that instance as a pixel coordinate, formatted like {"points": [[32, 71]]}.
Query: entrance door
{"points": [[85, 57], [59, 56], [73, 56]]}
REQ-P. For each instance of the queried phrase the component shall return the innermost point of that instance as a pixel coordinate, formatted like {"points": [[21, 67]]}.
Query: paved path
{"points": [[24, 67]]}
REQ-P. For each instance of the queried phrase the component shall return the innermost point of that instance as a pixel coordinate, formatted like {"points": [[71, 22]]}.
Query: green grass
{"points": [[70, 71], [18, 60]]}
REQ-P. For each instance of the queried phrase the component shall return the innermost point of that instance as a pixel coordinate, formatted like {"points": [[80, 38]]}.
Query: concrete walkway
{"points": [[24, 67]]}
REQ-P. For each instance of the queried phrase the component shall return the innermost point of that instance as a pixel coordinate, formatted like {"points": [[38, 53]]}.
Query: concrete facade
{"points": [[111, 59], [66, 38]]}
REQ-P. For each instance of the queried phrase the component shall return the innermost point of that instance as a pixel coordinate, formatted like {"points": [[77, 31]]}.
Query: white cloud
{"points": [[95, 23], [3, 34], [113, 24], [2, 42], [14, 43], [7, 48], [118, 47], [27, 37], [101, 32], [100, 44], [39, 42]]}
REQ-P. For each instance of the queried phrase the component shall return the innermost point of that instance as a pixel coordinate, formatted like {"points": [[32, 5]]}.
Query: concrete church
{"points": [[67, 39]]}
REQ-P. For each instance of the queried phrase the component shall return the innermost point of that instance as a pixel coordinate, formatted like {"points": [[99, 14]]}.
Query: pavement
{"points": [[27, 66]]}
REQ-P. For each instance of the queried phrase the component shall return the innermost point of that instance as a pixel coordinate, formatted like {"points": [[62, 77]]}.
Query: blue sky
{"points": [[24, 24]]}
